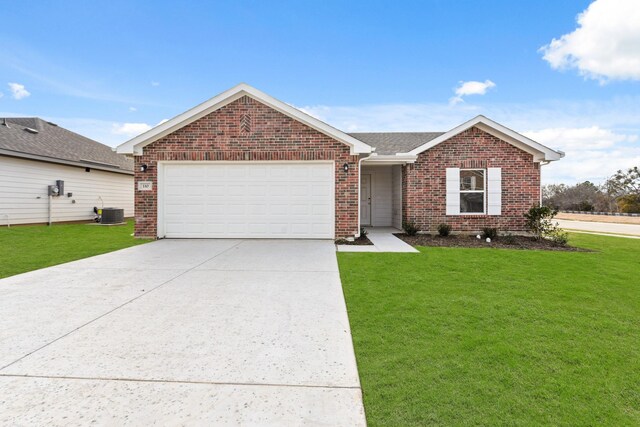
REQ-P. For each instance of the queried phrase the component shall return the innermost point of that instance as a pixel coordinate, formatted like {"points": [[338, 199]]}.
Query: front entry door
{"points": [[365, 199]]}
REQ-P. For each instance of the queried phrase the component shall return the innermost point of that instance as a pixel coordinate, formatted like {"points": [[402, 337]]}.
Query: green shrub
{"points": [[410, 228], [489, 232], [539, 221], [363, 232], [444, 230]]}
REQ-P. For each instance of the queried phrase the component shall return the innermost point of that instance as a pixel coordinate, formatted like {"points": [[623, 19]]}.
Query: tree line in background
{"points": [[619, 193]]}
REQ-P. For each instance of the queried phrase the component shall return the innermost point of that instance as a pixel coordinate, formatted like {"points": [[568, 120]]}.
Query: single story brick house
{"points": [[246, 165]]}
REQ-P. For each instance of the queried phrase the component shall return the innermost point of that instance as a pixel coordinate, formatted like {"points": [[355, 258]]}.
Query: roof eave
{"points": [[29, 156]]}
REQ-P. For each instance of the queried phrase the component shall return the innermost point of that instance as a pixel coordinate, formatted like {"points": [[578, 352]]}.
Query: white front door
{"points": [[365, 199], [246, 200]]}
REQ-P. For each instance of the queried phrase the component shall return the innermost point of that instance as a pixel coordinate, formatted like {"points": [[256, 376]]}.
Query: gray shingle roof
{"points": [[38, 138], [395, 142]]}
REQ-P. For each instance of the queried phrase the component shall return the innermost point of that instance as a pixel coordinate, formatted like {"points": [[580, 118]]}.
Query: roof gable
{"points": [[135, 145], [539, 151]]}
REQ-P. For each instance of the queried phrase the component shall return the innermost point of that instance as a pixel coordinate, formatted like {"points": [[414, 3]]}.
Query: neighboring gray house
{"points": [[35, 153]]}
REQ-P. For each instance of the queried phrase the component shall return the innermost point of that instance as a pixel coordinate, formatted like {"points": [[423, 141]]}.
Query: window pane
{"points": [[471, 202], [471, 180]]}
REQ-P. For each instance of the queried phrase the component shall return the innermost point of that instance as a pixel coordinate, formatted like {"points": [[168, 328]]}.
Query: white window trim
{"points": [[483, 191]]}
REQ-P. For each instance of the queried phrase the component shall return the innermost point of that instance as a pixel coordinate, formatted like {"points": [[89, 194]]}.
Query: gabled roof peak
{"points": [[539, 151], [135, 145]]}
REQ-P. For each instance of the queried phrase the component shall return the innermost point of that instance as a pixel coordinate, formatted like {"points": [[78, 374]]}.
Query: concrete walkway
{"points": [[383, 241], [600, 227], [215, 332]]}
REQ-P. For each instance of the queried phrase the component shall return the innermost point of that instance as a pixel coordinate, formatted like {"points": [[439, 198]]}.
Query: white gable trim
{"points": [[134, 146], [539, 151]]}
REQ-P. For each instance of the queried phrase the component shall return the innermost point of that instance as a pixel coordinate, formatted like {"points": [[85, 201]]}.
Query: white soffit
{"points": [[135, 145]]}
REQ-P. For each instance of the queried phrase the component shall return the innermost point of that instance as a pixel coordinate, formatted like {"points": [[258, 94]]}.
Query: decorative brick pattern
{"points": [[424, 182], [245, 123], [247, 130]]}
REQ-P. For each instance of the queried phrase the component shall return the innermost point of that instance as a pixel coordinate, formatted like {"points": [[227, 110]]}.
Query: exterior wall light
{"points": [[143, 168], [346, 167]]}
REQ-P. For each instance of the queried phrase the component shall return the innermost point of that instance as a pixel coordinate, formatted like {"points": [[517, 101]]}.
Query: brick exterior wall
{"points": [[424, 183], [247, 130]]}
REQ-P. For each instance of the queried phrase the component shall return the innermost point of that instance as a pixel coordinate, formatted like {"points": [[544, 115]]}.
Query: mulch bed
{"points": [[362, 240], [465, 241]]}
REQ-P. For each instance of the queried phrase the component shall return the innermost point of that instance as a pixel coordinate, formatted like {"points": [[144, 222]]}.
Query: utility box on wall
{"points": [[57, 189], [53, 190]]}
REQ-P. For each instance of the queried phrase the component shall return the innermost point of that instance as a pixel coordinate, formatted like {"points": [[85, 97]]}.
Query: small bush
{"points": [[559, 237], [444, 230], [539, 221], [489, 232], [410, 228], [363, 232], [509, 239]]}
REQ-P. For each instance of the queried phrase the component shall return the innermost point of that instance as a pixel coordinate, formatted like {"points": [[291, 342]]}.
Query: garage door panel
{"points": [[322, 174], [321, 210], [318, 190], [245, 200]]}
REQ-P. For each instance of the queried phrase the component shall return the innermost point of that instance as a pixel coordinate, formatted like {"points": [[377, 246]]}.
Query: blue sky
{"points": [[111, 69]]}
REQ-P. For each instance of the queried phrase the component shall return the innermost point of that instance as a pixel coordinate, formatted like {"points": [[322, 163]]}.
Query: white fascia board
{"points": [[539, 151], [135, 145], [390, 159]]}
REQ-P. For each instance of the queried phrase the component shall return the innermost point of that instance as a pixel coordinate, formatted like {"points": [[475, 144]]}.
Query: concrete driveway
{"points": [[224, 332]]}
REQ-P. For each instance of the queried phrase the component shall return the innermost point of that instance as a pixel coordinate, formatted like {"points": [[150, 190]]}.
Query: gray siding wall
{"points": [[23, 191]]}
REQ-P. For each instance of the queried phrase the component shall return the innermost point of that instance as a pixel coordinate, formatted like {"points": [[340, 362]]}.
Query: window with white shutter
{"points": [[474, 191]]}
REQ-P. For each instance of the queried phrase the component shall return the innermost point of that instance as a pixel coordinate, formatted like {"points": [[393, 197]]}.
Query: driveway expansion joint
{"points": [[145, 380]]}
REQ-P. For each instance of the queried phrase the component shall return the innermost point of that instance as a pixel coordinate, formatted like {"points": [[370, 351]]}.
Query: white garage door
{"points": [[246, 200]]}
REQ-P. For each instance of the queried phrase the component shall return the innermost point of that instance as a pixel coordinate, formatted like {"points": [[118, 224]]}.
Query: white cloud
{"points": [[590, 165], [133, 109], [589, 138], [18, 91], [155, 83], [130, 129], [606, 44], [471, 88], [1, 94], [592, 153]]}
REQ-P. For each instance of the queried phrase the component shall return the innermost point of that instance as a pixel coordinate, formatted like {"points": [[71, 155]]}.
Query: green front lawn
{"points": [[498, 337], [26, 248]]}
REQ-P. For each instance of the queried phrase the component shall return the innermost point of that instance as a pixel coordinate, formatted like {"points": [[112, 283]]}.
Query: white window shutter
{"points": [[453, 191], [494, 191]]}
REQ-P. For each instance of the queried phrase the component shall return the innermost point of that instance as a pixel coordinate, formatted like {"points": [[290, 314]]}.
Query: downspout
{"points": [[50, 202], [359, 177], [542, 163]]}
